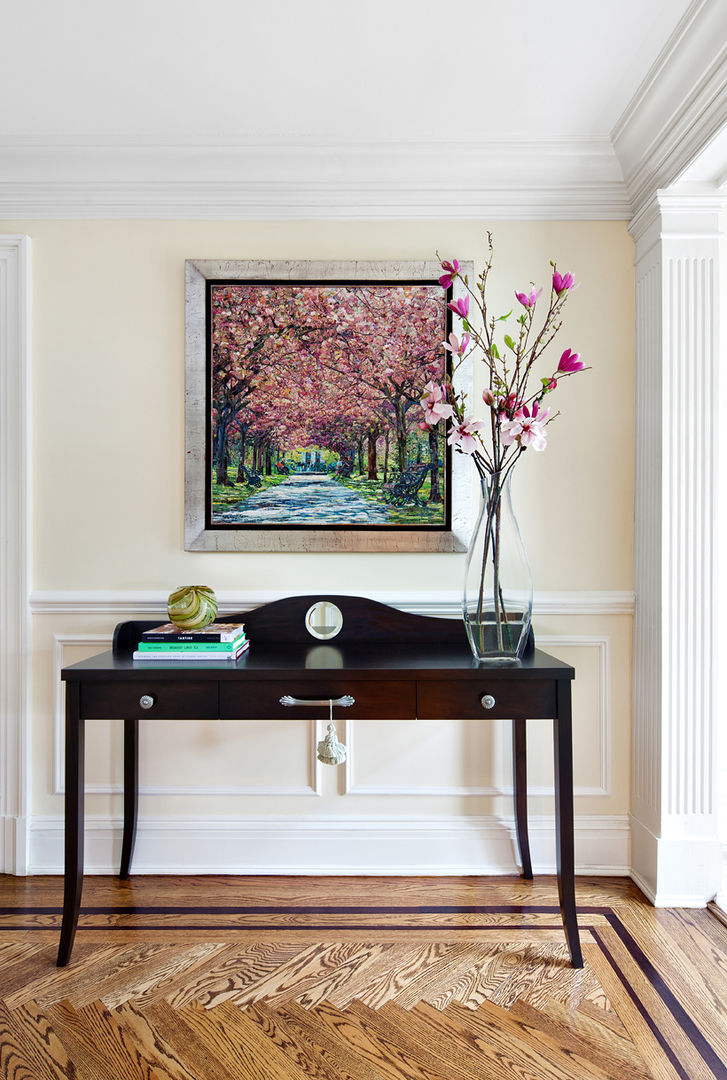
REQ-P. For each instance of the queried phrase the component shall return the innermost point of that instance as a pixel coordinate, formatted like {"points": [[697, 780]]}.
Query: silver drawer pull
{"points": [[344, 701], [146, 701], [487, 701]]}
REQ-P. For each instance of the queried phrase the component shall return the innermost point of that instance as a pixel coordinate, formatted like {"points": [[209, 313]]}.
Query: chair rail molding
{"points": [[14, 551], [444, 603], [675, 846]]}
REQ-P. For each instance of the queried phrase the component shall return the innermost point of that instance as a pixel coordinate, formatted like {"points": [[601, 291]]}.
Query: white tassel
{"points": [[330, 750]]}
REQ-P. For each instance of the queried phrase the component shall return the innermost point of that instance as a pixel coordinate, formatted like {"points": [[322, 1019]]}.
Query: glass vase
{"points": [[498, 591]]}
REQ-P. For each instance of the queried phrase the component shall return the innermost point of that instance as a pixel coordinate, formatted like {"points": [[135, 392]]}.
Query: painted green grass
{"points": [[228, 498], [409, 514]]}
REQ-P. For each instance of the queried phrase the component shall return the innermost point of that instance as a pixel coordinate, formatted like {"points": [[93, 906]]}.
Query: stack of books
{"points": [[218, 641]]}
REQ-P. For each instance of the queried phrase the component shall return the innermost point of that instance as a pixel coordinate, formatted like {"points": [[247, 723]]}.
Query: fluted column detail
{"points": [[675, 852]]}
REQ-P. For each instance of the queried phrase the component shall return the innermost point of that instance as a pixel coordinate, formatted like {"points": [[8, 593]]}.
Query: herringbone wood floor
{"points": [[360, 978]]}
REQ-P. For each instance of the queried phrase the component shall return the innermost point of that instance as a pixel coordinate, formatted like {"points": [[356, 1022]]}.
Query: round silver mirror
{"points": [[324, 620]]}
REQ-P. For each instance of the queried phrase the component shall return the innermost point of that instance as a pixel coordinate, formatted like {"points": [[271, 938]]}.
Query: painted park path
{"points": [[304, 499]]}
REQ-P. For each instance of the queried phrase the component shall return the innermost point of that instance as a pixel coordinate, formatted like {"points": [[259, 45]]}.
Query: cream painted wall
{"points": [[109, 393], [108, 452]]}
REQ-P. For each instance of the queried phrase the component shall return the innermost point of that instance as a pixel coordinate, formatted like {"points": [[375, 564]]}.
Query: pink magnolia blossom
{"points": [[562, 282], [463, 436], [526, 429], [570, 362], [528, 299], [455, 346], [460, 307], [435, 405], [488, 397], [509, 405], [451, 269]]}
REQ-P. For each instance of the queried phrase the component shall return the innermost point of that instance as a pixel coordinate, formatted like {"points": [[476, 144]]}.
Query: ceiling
{"points": [[182, 71], [388, 109]]}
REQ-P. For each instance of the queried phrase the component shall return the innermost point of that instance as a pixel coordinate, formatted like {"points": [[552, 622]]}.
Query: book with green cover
{"points": [[165, 655], [191, 646]]}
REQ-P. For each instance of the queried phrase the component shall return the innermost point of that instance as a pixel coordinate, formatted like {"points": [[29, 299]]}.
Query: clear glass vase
{"points": [[498, 592]]}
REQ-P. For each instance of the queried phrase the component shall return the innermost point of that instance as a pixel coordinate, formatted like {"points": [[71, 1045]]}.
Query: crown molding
{"points": [[680, 106], [288, 179]]}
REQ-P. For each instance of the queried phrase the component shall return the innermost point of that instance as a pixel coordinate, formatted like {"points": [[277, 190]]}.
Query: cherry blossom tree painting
{"points": [[316, 398], [311, 407]]}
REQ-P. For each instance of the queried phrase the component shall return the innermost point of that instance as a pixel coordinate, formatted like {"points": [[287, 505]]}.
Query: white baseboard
{"points": [[14, 845], [674, 871], [328, 846]]}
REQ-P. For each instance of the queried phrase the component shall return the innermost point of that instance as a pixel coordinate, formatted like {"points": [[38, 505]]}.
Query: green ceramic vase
{"points": [[192, 607]]}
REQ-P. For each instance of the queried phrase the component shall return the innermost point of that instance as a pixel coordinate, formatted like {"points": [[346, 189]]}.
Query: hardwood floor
{"points": [[229, 978]]}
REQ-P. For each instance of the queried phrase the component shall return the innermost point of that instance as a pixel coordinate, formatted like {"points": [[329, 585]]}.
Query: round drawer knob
{"points": [[146, 701], [488, 701]]}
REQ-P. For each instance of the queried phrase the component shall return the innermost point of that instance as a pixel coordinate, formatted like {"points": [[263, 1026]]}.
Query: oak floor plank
{"points": [[602, 1010], [669, 1027], [348, 1063], [393, 982], [437, 976], [93, 964], [15, 1063], [229, 972], [702, 984], [396, 1028], [394, 1059], [20, 1052], [581, 1035], [493, 974], [354, 965], [391, 955], [143, 972], [153, 1048], [208, 954], [45, 1047], [460, 980], [98, 1055], [311, 1060], [20, 970], [178, 1034], [240, 1043], [303, 969], [491, 1030], [635, 1023]]}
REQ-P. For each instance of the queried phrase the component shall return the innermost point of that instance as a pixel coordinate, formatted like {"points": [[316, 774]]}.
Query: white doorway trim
{"points": [[15, 538]]}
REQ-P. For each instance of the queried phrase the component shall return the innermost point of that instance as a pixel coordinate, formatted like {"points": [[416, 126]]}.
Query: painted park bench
{"points": [[405, 488], [252, 479]]}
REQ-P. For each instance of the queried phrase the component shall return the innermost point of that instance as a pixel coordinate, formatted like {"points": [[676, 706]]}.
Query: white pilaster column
{"points": [[675, 847], [14, 551]]}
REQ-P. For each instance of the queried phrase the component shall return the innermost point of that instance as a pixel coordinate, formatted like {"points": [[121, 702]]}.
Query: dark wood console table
{"points": [[396, 666]]}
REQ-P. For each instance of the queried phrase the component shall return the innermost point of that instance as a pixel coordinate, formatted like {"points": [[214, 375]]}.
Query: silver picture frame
{"points": [[198, 534]]}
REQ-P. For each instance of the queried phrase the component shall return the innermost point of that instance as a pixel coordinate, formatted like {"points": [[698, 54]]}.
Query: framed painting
{"points": [[304, 423]]}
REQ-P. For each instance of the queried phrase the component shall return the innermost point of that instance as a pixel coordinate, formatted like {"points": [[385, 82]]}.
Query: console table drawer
{"points": [[372, 701], [165, 700], [524, 699]]}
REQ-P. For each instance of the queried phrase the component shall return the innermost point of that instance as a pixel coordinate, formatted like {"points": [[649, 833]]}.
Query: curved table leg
{"points": [[520, 784], [131, 793], [565, 857], [73, 876]]}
